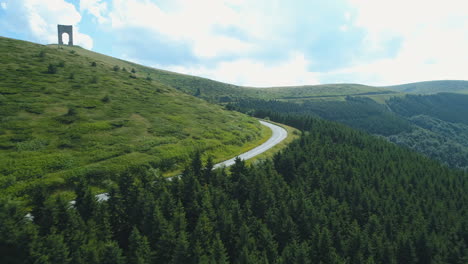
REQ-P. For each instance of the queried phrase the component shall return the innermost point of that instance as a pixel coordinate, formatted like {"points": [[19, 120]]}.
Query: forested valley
{"points": [[336, 195], [434, 125]]}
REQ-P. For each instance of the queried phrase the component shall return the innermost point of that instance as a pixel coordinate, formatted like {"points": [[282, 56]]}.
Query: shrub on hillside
{"points": [[52, 69], [105, 99]]}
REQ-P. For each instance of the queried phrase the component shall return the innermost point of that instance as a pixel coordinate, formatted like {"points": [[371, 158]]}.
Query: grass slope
{"points": [[432, 87], [222, 92], [94, 118]]}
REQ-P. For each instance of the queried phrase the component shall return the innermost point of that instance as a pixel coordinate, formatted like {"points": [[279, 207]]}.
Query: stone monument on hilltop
{"points": [[65, 29]]}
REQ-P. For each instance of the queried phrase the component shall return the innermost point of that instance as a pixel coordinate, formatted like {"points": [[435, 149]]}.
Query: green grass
{"points": [[432, 87], [222, 92], [93, 121]]}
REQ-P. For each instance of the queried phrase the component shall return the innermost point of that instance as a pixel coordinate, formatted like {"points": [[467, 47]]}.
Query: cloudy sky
{"points": [[263, 42]]}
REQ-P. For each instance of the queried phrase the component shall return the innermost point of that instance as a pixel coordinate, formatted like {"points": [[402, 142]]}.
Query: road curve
{"points": [[279, 134]]}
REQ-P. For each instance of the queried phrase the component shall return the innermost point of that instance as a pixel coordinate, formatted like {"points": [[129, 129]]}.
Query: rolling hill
{"points": [[215, 91], [432, 87], [68, 112]]}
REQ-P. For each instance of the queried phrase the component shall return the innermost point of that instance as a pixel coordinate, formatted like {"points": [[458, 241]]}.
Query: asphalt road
{"points": [[279, 134]]}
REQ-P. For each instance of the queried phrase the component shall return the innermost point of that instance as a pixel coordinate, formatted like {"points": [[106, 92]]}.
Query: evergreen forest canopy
{"points": [[334, 196], [434, 125]]}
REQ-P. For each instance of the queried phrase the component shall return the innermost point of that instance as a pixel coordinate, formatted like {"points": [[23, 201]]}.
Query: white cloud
{"points": [[39, 21], [248, 72], [433, 35], [3, 5], [193, 22], [96, 8]]}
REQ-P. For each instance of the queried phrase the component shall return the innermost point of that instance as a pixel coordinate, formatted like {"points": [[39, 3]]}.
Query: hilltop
{"points": [[432, 87], [68, 112]]}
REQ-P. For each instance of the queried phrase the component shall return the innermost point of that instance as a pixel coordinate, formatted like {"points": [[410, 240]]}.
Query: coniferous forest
{"points": [[434, 125], [336, 195]]}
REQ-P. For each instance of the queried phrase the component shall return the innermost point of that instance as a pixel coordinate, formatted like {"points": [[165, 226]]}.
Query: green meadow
{"points": [[67, 112]]}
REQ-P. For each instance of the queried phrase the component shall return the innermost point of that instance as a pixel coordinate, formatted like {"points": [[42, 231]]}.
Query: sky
{"points": [[263, 43]]}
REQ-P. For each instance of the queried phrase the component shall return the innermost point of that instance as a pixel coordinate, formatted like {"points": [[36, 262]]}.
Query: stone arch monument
{"points": [[65, 29]]}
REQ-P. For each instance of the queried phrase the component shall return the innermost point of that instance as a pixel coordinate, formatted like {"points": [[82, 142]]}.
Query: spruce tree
{"points": [[139, 251], [112, 254]]}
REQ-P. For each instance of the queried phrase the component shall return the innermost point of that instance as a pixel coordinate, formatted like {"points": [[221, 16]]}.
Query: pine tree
{"points": [[207, 171], [139, 251], [51, 250], [85, 201], [204, 233], [112, 254], [219, 252], [182, 249], [40, 213]]}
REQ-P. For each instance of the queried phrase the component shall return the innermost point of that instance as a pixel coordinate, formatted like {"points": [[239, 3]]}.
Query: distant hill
{"points": [[222, 92], [216, 91], [432, 87], [69, 112]]}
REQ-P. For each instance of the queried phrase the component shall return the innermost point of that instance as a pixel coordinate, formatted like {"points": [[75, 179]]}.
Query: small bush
{"points": [[148, 78], [32, 145], [71, 112], [93, 64], [72, 52], [68, 118], [133, 76], [61, 64], [116, 68], [133, 70], [42, 54], [71, 76], [51, 69], [124, 69], [105, 99], [94, 79]]}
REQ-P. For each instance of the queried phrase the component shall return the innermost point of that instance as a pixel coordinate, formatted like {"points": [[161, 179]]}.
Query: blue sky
{"points": [[263, 42]]}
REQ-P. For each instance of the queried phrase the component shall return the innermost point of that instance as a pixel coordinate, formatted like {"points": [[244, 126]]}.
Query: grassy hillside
{"points": [[67, 112], [432, 87], [215, 91]]}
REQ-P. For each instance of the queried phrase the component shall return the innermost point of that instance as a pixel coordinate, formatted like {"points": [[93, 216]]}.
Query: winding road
{"points": [[278, 135]]}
